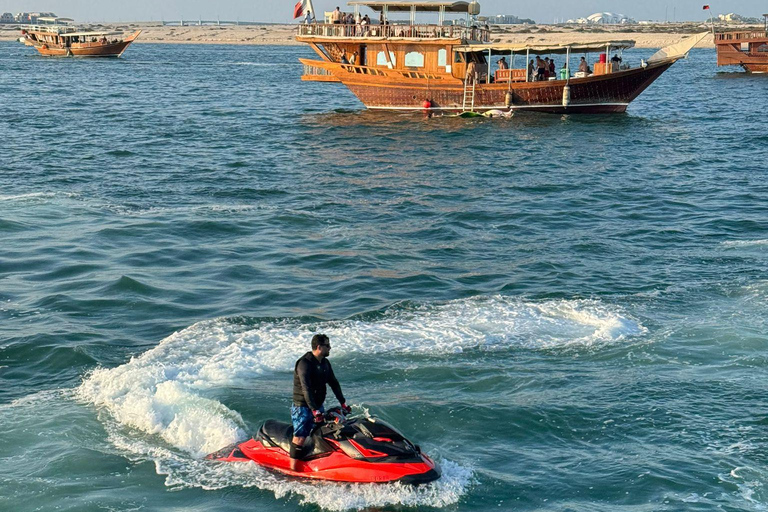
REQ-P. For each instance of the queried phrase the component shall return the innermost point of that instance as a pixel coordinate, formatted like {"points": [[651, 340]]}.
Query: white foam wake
{"points": [[160, 392], [744, 243]]}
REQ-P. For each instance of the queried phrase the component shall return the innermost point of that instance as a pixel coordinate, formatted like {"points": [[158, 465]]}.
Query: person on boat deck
{"points": [[546, 68], [308, 18], [502, 62], [471, 73], [615, 62], [583, 66], [540, 68], [311, 374], [336, 16], [344, 59], [531, 70], [353, 58], [552, 67]]}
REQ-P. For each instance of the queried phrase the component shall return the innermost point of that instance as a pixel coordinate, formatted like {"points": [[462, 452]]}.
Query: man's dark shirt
{"points": [[309, 379]]}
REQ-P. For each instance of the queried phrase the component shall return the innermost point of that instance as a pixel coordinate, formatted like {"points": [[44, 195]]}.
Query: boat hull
{"points": [[610, 93], [756, 68]]}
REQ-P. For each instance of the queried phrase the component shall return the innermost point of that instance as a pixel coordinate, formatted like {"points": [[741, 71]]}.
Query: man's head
{"points": [[321, 346]]}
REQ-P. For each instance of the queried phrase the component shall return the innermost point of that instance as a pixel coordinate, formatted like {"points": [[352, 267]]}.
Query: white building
{"points": [[509, 19], [603, 18], [737, 18]]}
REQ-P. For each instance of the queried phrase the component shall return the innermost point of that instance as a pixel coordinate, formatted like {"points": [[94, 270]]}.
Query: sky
{"points": [[281, 11]]}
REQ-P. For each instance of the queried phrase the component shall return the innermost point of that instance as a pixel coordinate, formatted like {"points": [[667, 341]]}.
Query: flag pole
{"points": [[711, 20]]}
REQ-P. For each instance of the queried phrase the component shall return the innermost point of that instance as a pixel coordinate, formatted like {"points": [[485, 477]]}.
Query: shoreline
{"points": [[283, 35]]}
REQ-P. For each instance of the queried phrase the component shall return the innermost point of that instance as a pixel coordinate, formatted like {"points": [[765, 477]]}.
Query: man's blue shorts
{"points": [[303, 421]]}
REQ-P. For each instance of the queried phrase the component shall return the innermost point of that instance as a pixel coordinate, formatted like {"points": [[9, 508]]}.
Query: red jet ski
{"points": [[341, 449]]}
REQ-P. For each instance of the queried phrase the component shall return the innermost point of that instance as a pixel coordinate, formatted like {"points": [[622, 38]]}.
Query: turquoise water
{"points": [[569, 313]]}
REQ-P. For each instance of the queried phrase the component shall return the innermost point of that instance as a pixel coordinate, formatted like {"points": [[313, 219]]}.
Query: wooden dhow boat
{"points": [[424, 66], [67, 41], [748, 49]]}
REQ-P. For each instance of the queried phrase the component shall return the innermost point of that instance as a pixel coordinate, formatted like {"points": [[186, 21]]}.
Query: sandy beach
{"points": [[644, 36]]}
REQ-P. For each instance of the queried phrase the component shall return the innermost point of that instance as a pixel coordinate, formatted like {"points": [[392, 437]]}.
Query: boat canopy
{"points": [[48, 20], [405, 6], [91, 34], [506, 49], [678, 50]]}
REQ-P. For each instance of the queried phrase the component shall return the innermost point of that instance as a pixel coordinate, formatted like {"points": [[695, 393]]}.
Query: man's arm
{"points": [[303, 370], [335, 386]]}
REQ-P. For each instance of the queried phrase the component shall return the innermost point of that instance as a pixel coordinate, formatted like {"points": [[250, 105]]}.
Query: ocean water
{"points": [[567, 312]]}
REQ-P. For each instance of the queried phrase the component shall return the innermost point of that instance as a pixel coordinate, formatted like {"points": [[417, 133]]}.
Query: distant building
{"points": [[509, 19], [7, 17], [31, 17], [604, 18], [737, 18]]}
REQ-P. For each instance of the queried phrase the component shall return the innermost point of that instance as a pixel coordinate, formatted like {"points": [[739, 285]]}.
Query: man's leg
{"points": [[302, 420], [297, 453]]}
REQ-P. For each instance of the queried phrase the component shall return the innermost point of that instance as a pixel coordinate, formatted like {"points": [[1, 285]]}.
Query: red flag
{"points": [[298, 10], [706, 7]]}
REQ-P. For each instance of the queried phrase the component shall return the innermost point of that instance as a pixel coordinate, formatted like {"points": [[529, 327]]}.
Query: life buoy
{"points": [[44, 47], [426, 104]]}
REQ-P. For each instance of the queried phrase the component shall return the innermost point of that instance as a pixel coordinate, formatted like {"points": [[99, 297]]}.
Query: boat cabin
{"points": [[388, 42]]}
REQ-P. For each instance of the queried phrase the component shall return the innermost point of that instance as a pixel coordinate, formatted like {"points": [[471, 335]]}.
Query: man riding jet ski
{"points": [[363, 450], [354, 450]]}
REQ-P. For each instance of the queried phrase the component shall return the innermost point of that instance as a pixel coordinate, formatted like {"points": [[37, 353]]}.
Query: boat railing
{"points": [[48, 29], [505, 75], [316, 71], [390, 31], [739, 36]]}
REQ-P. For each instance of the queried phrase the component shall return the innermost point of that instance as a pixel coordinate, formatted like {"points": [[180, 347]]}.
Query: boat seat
{"points": [[279, 433]]}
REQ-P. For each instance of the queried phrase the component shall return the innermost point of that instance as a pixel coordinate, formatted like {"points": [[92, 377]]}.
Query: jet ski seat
{"points": [[279, 433]]}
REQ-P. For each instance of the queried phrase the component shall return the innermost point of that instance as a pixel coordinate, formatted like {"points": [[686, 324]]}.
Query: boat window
{"points": [[442, 57], [414, 60], [458, 57], [381, 58]]}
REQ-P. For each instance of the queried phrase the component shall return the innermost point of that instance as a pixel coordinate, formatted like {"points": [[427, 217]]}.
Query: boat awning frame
{"points": [[506, 49], [48, 20], [406, 6], [90, 34]]}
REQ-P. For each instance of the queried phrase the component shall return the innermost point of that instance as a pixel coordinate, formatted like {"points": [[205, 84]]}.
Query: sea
{"points": [[568, 313]]}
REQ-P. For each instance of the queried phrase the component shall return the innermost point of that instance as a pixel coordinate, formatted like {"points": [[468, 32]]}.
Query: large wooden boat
{"points": [[67, 41], [424, 66], [748, 49]]}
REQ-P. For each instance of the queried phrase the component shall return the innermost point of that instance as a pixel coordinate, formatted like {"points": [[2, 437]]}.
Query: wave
{"points": [[159, 393], [744, 243], [37, 196]]}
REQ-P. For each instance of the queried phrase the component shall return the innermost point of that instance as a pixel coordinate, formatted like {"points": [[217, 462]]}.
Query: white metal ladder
{"points": [[469, 96]]}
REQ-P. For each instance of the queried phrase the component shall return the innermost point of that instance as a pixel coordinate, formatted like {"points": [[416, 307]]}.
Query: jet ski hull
{"points": [[342, 452]]}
